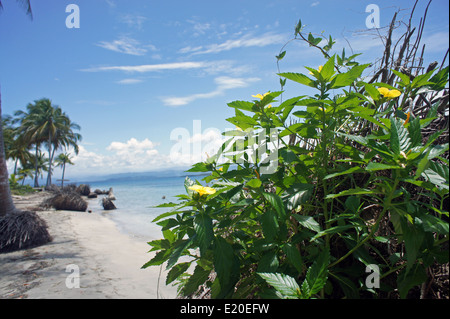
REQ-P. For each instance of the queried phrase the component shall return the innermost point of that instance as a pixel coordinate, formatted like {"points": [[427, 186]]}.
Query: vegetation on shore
{"points": [[360, 183]]}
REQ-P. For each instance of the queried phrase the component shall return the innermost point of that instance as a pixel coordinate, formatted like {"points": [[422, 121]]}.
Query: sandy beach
{"points": [[89, 244]]}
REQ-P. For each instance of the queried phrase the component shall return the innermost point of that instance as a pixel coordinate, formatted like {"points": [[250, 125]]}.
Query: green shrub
{"points": [[356, 184]]}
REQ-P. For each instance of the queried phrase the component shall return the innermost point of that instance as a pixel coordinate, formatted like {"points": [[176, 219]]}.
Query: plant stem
{"points": [[386, 205]]}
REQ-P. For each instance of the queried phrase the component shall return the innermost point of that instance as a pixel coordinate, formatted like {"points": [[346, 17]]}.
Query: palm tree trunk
{"points": [[49, 176], [6, 202], [62, 179], [36, 177]]}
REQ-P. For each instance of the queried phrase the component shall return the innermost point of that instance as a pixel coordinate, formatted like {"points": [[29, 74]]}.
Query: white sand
{"points": [[109, 262]]}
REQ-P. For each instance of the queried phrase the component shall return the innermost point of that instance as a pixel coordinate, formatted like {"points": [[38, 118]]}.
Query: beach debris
{"points": [[111, 194], [108, 204], [84, 189], [22, 230], [66, 200]]}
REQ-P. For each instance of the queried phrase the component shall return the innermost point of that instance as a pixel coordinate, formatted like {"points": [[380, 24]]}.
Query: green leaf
{"points": [[243, 105], [254, 183], [351, 170], [199, 167], [317, 275], [268, 263], [269, 224], [409, 279], [276, 203], [307, 222], [293, 256], [176, 271], [178, 250], [225, 264], [328, 68], [204, 230], [404, 77], [299, 78], [352, 203], [346, 79], [399, 139], [353, 191], [158, 259], [372, 166], [413, 238], [284, 284], [199, 277], [281, 55]]}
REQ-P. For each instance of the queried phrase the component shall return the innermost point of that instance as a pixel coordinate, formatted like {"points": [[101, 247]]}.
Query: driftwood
{"points": [[22, 230]]}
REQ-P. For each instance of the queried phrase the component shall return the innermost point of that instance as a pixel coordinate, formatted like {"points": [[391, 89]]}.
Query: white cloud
{"points": [[244, 41], [223, 83], [149, 67], [132, 20], [129, 81], [131, 147], [127, 45], [315, 3], [214, 67]]}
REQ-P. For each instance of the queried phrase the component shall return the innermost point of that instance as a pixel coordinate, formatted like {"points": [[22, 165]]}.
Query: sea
{"points": [[136, 198]]}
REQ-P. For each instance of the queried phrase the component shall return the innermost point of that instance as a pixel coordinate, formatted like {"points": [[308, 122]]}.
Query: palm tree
{"points": [[24, 173], [62, 160], [45, 123]]}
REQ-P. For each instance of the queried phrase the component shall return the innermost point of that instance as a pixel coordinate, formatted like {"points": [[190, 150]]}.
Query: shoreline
{"points": [[108, 261]]}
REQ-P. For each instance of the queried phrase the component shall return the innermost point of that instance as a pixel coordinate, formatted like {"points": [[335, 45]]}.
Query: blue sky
{"points": [[135, 71]]}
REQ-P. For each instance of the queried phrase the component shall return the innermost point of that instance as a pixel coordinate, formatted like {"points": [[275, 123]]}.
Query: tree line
{"points": [[42, 126]]}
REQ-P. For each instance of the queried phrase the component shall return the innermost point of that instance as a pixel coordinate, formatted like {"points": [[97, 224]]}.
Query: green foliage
{"points": [[309, 227]]}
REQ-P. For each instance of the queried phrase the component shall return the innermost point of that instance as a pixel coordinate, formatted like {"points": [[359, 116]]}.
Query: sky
{"points": [[149, 81]]}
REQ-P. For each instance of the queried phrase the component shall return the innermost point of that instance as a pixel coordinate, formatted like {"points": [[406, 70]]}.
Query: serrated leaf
{"points": [[284, 284], [176, 271], [299, 78], [307, 222], [399, 139], [269, 224], [276, 203], [204, 230], [317, 275], [198, 278], [293, 256]]}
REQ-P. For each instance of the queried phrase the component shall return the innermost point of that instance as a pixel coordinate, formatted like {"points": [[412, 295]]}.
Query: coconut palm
{"points": [[45, 123], [62, 160], [24, 173]]}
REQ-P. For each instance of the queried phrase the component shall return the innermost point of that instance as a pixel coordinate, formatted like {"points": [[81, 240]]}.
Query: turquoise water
{"points": [[135, 201]]}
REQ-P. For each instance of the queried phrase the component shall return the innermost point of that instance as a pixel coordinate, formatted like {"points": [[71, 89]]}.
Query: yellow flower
{"points": [[259, 96], [202, 190], [319, 69], [390, 94]]}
